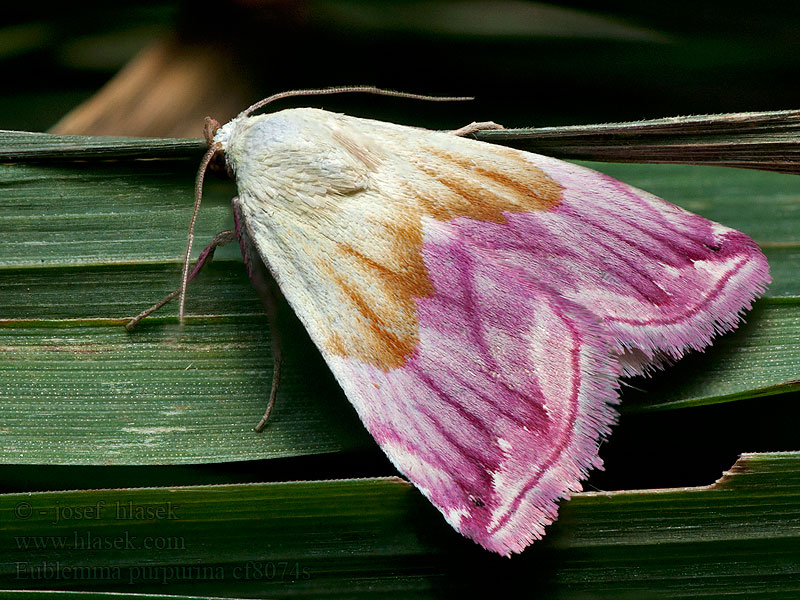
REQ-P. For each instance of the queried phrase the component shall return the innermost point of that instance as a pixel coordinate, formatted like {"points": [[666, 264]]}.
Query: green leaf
{"points": [[380, 538], [87, 244], [79, 392], [759, 140], [759, 359], [22, 145]]}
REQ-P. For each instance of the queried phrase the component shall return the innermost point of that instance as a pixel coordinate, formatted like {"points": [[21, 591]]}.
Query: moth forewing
{"points": [[477, 304]]}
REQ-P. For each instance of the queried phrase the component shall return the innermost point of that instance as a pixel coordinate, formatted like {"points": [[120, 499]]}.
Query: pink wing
{"points": [[501, 408], [499, 412], [478, 304]]}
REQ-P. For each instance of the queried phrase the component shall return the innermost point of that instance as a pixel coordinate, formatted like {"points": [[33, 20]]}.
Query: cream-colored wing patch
{"points": [[362, 242]]}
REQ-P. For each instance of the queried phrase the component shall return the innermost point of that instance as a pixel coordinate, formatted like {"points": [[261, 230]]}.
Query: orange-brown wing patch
{"points": [[379, 300], [484, 186], [481, 182]]}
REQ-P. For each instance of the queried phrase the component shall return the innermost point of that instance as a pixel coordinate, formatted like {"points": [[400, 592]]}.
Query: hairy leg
{"points": [[226, 237], [269, 293]]}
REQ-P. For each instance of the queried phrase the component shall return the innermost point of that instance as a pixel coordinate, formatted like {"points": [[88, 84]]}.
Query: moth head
{"points": [[218, 162]]}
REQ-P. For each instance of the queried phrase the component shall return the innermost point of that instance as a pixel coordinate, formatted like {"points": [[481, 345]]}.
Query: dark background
{"points": [[526, 63]]}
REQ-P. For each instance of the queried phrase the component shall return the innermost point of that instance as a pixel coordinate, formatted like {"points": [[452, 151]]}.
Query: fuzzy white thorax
{"points": [[223, 135], [226, 132]]}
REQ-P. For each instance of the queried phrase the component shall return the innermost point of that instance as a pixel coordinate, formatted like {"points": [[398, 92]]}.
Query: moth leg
{"points": [[226, 237], [473, 127], [271, 307], [269, 293]]}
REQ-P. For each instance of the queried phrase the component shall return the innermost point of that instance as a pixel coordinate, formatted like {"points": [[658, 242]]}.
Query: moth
{"points": [[477, 304]]}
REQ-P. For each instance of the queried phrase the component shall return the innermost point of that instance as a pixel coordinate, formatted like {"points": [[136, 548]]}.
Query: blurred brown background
{"points": [[157, 68]]}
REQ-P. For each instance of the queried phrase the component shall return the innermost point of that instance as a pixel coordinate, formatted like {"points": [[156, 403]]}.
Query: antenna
{"points": [[198, 197], [367, 89]]}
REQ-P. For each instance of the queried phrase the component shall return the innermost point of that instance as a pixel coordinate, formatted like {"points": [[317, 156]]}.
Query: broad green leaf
{"points": [[760, 359], [87, 244], [380, 538], [89, 392], [160, 395], [98, 213]]}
